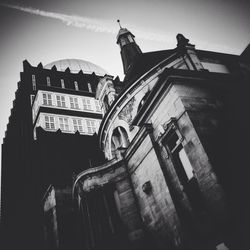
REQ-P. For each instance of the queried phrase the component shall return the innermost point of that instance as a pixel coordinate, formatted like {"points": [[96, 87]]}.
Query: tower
{"points": [[129, 48]]}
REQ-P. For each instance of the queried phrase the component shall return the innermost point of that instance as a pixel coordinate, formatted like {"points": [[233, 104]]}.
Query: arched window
{"points": [[90, 88], [76, 85], [48, 81], [119, 139], [130, 38], [123, 41]]}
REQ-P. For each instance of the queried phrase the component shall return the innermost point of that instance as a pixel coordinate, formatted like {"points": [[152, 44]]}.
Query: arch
{"points": [[119, 139]]}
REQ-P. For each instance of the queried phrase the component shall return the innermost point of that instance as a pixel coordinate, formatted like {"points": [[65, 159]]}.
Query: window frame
{"points": [[91, 126], [173, 151], [78, 125], [74, 104], [98, 106], [90, 87], [48, 81], [50, 121], [62, 84], [33, 79], [60, 101], [76, 85], [47, 99], [63, 123], [87, 103]]}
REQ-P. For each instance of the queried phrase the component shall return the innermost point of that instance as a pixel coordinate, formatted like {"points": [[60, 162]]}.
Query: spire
{"points": [[128, 46], [119, 23]]}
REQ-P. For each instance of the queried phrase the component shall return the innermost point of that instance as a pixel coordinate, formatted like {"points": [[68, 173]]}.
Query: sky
{"points": [[45, 31]]}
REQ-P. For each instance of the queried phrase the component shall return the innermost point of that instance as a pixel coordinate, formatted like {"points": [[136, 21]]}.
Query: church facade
{"points": [[156, 161]]}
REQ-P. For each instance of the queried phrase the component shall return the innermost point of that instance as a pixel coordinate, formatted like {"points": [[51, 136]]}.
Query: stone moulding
{"points": [[102, 168]]}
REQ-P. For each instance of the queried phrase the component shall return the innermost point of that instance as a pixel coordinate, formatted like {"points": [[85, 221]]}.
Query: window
{"points": [[74, 102], [32, 98], [49, 122], [33, 82], [60, 100], [89, 87], [172, 141], [123, 41], [97, 106], [86, 104], [76, 85], [62, 84], [91, 128], [48, 81], [182, 165], [130, 38], [186, 164], [64, 124], [47, 99], [77, 124]]}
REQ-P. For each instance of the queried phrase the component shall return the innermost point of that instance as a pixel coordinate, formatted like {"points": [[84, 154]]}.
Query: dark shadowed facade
{"points": [[157, 161]]}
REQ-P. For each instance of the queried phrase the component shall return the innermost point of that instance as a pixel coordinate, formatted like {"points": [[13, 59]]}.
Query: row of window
{"points": [[73, 102], [33, 77], [66, 124]]}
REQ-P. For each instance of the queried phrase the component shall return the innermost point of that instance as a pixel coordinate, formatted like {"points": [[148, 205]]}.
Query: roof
{"points": [[145, 61], [123, 31], [75, 65]]}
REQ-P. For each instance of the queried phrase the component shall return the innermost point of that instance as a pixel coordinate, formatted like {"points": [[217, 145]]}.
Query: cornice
{"points": [[102, 168]]}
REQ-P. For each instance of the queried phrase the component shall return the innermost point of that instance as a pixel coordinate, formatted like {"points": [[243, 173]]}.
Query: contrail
{"points": [[92, 24], [109, 27]]}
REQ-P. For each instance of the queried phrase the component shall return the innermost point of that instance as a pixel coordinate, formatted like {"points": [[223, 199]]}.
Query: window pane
{"points": [[186, 163]]}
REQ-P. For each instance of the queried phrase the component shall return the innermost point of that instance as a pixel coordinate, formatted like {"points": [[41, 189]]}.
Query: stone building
{"points": [[167, 169]]}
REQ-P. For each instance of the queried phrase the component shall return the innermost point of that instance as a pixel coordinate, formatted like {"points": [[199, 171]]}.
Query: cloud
{"points": [[91, 24]]}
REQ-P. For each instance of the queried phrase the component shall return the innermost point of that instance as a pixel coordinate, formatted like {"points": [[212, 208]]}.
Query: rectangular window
{"points": [[64, 124], [77, 124], [186, 163], [86, 104], [47, 99], [97, 106], [60, 100], [74, 102], [48, 81], [181, 162], [91, 128], [49, 122], [172, 141], [76, 85], [62, 84], [33, 82]]}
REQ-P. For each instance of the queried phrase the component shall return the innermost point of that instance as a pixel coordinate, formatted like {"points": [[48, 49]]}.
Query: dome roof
{"points": [[75, 65]]}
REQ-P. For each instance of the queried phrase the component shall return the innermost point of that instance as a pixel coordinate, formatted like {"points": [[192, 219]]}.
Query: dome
{"points": [[75, 65]]}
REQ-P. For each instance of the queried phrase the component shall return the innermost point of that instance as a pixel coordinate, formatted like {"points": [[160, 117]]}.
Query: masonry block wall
{"points": [[205, 223], [155, 204]]}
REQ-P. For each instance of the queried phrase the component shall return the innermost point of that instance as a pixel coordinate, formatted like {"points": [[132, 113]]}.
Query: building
{"points": [[167, 169]]}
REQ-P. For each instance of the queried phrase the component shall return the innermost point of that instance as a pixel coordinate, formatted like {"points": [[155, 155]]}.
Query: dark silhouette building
{"points": [[157, 161]]}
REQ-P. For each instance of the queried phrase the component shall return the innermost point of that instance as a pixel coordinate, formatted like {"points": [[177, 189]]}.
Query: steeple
{"points": [[129, 48]]}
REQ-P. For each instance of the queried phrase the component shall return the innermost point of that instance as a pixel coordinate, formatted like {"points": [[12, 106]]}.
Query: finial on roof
{"points": [[119, 23], [181, 40]]}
